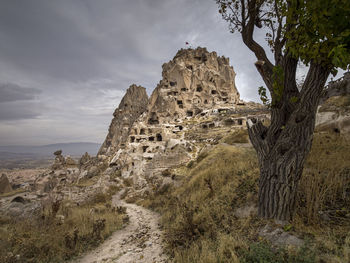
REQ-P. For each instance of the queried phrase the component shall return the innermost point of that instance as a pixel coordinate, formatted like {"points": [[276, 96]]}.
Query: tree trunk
{"points": [[279, 177], [283, 146]]}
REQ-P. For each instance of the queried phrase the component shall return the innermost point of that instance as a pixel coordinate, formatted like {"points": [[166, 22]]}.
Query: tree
{"points": [[315, 33]]}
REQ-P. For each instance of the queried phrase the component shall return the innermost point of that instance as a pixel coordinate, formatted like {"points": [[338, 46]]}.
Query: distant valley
{"points": [[22, 156]]}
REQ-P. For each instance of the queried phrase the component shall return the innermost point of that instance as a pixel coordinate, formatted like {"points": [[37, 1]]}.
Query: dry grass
{"points": [[336, 103], [14, 192], [237, 136], [199, 221], [198, 217], [86, 182], [60, 232], [325, 184]]}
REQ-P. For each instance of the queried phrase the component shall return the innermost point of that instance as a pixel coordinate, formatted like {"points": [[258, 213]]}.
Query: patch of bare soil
{"points": [[140, 241]]}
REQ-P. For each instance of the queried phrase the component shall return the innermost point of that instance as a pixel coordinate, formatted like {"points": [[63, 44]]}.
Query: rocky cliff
{"points": [[133, 104], [197, 93], [194, 81]]}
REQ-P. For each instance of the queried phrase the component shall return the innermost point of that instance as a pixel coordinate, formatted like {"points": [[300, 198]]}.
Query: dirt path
{"points": [[140, 241]]}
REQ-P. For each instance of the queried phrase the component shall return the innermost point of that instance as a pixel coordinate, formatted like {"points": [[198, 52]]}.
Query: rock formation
{"points": [[146, 139], [133, 104], [334, 111], [5, 186], [339, 87], [59, 160], [194, 81], [85, 160]]}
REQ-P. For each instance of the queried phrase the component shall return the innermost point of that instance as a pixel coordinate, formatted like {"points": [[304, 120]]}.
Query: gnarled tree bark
{"points": [[283, 146]]}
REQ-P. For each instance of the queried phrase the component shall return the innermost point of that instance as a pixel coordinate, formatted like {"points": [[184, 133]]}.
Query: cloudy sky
{"points": [[65, 65]]}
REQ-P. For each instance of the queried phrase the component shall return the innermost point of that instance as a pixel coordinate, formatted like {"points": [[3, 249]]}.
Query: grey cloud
{"points": [[13, 92], [19, 111], [83, 54]]}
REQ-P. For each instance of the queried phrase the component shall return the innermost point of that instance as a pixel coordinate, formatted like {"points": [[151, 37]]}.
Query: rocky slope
{"points": [[133, 104], [334, 112], [197, 93]]}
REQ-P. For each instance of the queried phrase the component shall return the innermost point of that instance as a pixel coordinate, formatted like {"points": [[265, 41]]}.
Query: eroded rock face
{"points": [[133, 104], [194, 81], [334, 110], [5, 186]]}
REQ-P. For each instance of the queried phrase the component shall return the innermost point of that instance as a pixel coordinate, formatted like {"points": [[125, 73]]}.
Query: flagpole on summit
{"points": [[188, 45]]}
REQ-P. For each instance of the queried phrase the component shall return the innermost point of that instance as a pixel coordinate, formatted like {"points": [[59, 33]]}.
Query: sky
{"points": [[65, 65]]}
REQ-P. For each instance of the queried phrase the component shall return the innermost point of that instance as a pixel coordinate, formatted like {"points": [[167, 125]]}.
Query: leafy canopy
{"points": [[309, 30]]}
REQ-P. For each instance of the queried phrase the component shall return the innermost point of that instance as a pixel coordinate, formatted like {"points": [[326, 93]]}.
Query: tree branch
{"points": [[257, 133], [265, 66]]}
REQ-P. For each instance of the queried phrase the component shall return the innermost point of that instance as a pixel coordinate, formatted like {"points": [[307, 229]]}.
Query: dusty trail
{"points": [[140, 241]]}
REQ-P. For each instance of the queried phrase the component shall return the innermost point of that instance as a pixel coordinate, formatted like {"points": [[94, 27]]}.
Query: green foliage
{"points": [[321, 32], [317, 30], [294, 99], [263, 97], [278, 84]]}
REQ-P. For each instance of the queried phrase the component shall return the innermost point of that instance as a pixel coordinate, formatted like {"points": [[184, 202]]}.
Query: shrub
{"points": [[60, 232]]}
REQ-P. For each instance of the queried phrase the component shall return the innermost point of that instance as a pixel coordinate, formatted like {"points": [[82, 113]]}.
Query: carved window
{"points": [[189, 113]]}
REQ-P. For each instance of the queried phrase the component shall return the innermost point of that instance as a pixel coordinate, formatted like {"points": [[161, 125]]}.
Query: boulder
{"points": [[93, 171], [70, 161], [84, 160], [5, 186], [279, 237], [58, 152]]}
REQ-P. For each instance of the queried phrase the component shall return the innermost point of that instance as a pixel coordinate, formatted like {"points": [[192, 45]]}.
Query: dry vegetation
{"points": [[336, 103], [199, 216], [238, 136], [60, 231]]}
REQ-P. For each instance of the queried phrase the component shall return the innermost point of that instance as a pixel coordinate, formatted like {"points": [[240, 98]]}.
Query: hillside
{"points": [[184, 153]]}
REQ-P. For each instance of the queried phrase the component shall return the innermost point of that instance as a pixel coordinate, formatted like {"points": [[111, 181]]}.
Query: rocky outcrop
{"points": [[194, 81], [339, 87], [5, 186], [196, 85], [85, 160], [60, 161], [133, 104], [334, 110]]}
